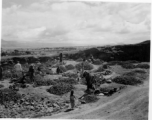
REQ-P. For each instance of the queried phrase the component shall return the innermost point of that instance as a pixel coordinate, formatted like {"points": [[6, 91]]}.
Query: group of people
{"points": [[20, 72], [32, 69]]}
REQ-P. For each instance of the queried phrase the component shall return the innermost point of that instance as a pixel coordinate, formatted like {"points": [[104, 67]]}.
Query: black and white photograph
{"points": [[71, 59]]}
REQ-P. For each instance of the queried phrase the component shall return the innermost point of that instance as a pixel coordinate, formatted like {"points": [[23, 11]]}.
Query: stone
{"points": [[55, 105]]}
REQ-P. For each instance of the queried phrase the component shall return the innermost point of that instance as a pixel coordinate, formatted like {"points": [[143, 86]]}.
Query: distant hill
{"points": [[138, 52]]}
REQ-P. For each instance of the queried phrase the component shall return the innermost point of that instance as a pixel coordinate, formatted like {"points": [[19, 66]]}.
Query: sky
{"points": [[75, 23]]}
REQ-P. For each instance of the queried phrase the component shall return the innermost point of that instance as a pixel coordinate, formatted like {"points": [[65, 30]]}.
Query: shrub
{"points": [[79, 60], [39, 81], [111, 63], [100, 69], [144, 66], [69, 67], [105, 66], [127, 80], [67, 80], [139, 74], [97, 62], [1, 86], [60, 88], [128, 66], [87, 66], [8, 95], [70, 75], [63, 69], [45, 82], [90, 98]]}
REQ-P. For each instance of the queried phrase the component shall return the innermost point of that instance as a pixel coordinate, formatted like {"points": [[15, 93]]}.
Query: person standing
{"points": [[61, 57], [78, 78], [18, 69], [72, 100], [39, 67], [31, 72], [1, 72]]}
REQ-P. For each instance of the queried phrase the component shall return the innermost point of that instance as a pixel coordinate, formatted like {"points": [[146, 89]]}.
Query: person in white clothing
{"points": [[18, 67]]}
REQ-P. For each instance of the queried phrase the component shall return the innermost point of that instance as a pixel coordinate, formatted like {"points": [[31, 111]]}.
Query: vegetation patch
{"points": [[91, 98], [60, 88], [144, 66], [87, 66], [66, 80], [100, 69], [127, 80], [69, 67], [8, 95], [70, 75], [97, 62], [63, 68], [128, 66]]}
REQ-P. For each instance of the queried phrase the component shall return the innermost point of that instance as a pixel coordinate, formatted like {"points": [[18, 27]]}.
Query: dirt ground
{"points": [[130, 103]]}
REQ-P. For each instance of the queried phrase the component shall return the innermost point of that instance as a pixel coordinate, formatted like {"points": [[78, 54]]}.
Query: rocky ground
{"points": [[37, 102]]}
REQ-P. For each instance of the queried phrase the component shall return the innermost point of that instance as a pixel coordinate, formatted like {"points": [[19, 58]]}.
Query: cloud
{"points": [[76, 22]]}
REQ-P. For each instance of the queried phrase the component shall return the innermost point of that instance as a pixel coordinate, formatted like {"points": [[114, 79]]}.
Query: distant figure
{"points": [[1, 72], [22, 81], [58, 70], [92, 58], [72, 99], [39, 67], [78, 78], [31, 72], [89, 79], [61, 57], [83, 62], [18, 69]]}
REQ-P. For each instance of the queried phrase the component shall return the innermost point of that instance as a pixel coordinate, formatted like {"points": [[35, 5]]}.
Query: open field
{"points": [[48, 96]]}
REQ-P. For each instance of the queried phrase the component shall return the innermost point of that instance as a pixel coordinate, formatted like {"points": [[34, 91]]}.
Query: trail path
{"points": [[119, 106]]}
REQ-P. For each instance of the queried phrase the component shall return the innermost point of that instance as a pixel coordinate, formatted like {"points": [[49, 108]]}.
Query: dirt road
{"points": [[128, 104]]}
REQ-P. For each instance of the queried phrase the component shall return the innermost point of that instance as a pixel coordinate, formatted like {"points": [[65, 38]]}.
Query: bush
{"points": [[63, 69], [128, 66], [45, 82], [70, 75], [111, 63], [97, 62], [8, 95], [90, 98], [39, 81], [1, 86], [67, 80], [105, 66], [144, 66], [60, 88], [127, 80], [139, 74], [79, 60], [69, 67], [100, 69], [87, 66]]}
